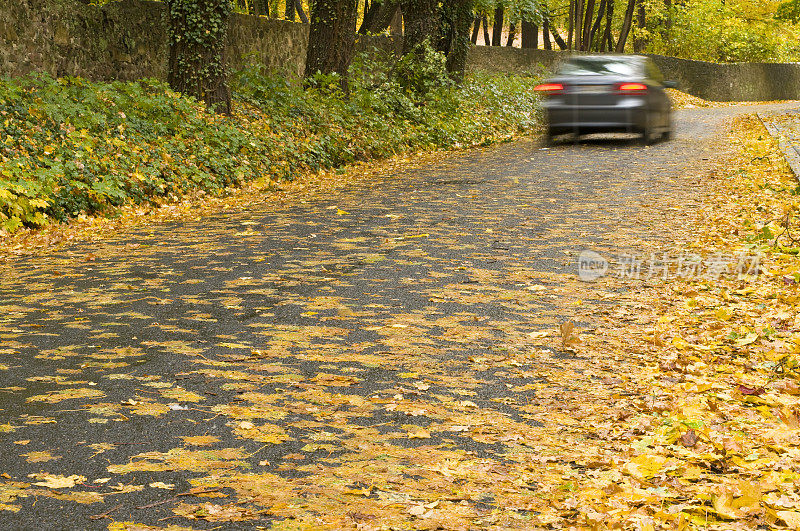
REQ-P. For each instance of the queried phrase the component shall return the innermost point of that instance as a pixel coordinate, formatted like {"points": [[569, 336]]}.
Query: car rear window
{"points": [[600, 67]]}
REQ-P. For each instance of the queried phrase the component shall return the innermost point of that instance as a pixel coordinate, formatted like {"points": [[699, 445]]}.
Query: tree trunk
{"points": [[667, 29], [627, 22], [298, 5], [557, 37], [512, 34], [476, 29], [288, 13], [497, 29], [546, 34], [260, 8], [608, 36], [588, 18], [459, 48], [571, 23], [601, 12], [380, 16], [640, 42], [487, 41], [421, 23], [370, 13], [197, 32], [444, 38], [331, 38], [530, 35], [396, 23]]}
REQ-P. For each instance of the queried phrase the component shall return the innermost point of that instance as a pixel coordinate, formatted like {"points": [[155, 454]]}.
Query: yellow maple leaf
{"points": [[181, 395], [419, 433], [66, 394], [55, 481], [200, 440], [790, 518], [40, 457]]}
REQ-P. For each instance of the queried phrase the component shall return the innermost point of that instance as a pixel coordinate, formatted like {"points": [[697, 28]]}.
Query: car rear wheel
{"points": [[649, 133], [669, 132], [647, 137], [549, 138]]}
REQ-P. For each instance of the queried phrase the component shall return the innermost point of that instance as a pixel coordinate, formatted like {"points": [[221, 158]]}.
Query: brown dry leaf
{"points": [[788, 386], [750, 391], [216, 513], [132, 526], [689, 439], [569, 337]]}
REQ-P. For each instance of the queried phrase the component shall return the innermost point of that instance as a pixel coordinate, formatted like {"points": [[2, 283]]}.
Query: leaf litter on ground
{"points": [[683, 411]]}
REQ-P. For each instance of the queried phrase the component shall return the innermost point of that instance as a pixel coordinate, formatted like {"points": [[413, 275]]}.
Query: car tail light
{"points": [[550, 88], [632, 88]]}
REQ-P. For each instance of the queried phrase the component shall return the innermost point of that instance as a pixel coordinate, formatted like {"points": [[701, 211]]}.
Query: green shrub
{"points": [[421, 72], [69, 146], [381, 116]]}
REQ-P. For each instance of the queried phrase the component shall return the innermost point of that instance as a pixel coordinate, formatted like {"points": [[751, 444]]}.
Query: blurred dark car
{"points": [[608, 93]]}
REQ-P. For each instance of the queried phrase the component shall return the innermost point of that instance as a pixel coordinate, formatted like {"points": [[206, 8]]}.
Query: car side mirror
{"points": [[671, 84]]}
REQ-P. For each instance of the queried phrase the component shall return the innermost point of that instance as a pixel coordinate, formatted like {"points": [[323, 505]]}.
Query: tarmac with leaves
{"points": [[411, 351]]}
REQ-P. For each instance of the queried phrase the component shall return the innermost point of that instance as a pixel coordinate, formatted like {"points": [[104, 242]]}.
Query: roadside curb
{"points": [[790, 149]]}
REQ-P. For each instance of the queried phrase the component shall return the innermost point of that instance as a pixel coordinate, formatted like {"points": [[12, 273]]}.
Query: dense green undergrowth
{"points": [[69, 146]]}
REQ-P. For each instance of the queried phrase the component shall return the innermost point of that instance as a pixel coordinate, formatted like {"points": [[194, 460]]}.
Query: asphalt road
{"points": [[287, 339]]}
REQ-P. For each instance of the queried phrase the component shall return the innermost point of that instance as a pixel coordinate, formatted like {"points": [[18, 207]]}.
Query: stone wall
{"points": [[711, 81], [126, 40], [733, 82], [504, 59], [278, 44]]}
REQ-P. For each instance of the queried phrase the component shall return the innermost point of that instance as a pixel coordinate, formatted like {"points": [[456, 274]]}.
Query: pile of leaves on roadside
{"points": [[683, 100], [70, 147], [704, 431]]}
